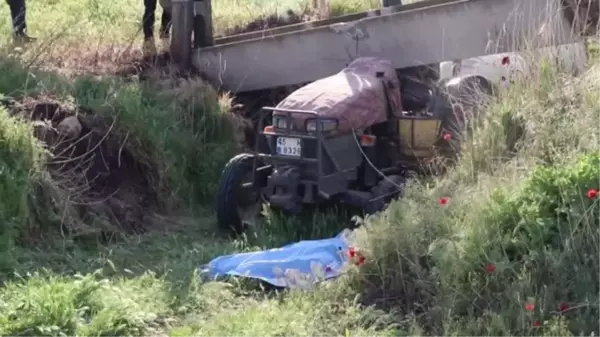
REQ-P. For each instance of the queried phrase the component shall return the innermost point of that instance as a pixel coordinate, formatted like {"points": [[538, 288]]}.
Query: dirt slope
{"points": [[89, 163]]}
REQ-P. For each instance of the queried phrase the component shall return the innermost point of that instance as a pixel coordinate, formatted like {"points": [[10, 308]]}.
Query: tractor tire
{"points": [[229, 193]]}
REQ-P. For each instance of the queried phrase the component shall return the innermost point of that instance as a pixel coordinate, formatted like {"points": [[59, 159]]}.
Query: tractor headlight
{"points": [[326, 125], [280, 122]]}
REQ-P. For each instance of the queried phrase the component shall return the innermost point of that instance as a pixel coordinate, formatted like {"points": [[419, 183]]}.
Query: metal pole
{"points": [[181, 42]]}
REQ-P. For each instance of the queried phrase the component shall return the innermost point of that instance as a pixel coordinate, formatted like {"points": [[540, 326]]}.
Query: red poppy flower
{"points": [[537, 324], [361, 260], [505, 60], [529, 306], [563, 307], [351, 252], [592, 193], [490, 268], [447, 136], [443, 201]]}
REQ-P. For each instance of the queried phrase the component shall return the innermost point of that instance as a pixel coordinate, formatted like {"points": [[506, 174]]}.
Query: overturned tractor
{"points": [[349, 138]]}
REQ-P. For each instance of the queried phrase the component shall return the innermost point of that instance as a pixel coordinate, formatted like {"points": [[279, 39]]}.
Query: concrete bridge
{"points": [[426, 32]]}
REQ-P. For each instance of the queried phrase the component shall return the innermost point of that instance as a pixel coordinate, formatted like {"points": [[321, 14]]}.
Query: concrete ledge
{"points": [[446, 30]]}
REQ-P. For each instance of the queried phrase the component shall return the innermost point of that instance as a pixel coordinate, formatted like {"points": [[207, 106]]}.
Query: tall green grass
{"points": [[21, 160], [519, 227]]}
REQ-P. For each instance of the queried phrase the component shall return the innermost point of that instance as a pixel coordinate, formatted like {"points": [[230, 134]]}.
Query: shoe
{"points": [[23, 38]]}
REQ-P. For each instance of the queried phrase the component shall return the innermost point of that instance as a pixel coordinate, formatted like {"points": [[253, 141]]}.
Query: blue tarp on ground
{"points": [[296, 265]]}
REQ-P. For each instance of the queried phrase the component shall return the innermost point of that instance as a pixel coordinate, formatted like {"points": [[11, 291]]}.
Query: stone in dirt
{"points": [[69, 127]]}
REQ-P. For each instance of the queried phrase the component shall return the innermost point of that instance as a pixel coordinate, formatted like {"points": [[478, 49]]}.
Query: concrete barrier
{"points": [[409, 36]]}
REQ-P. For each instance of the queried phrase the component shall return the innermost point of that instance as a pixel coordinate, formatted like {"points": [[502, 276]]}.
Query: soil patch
{"points": [[136, 62], [90, 164], [271, 21]]}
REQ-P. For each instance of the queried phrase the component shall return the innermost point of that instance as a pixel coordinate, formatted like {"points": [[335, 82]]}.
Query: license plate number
{"points": [[289, 146]]}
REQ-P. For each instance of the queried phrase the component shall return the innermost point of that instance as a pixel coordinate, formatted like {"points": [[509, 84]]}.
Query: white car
{"points": [[500, 68]]}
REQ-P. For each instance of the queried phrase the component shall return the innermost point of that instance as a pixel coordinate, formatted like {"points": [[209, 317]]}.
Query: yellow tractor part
{"points": [[418, 135]]}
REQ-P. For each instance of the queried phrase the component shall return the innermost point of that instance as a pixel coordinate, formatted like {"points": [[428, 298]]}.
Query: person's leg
{"points": [[148, 18], [17, 13], [165, 23]]}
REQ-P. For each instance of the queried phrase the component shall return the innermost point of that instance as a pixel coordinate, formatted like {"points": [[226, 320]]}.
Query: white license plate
{"points": [[289, 146]]}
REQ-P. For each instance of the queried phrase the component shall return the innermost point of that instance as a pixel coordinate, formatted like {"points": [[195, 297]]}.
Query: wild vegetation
{"points": [[104, 221]]}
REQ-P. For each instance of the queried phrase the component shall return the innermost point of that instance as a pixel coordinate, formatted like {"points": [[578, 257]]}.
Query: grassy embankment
{"points": [[519, 231]]}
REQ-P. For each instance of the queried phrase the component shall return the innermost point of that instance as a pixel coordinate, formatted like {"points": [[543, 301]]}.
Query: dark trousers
{"points": [[148, 19], [17, 13]]}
